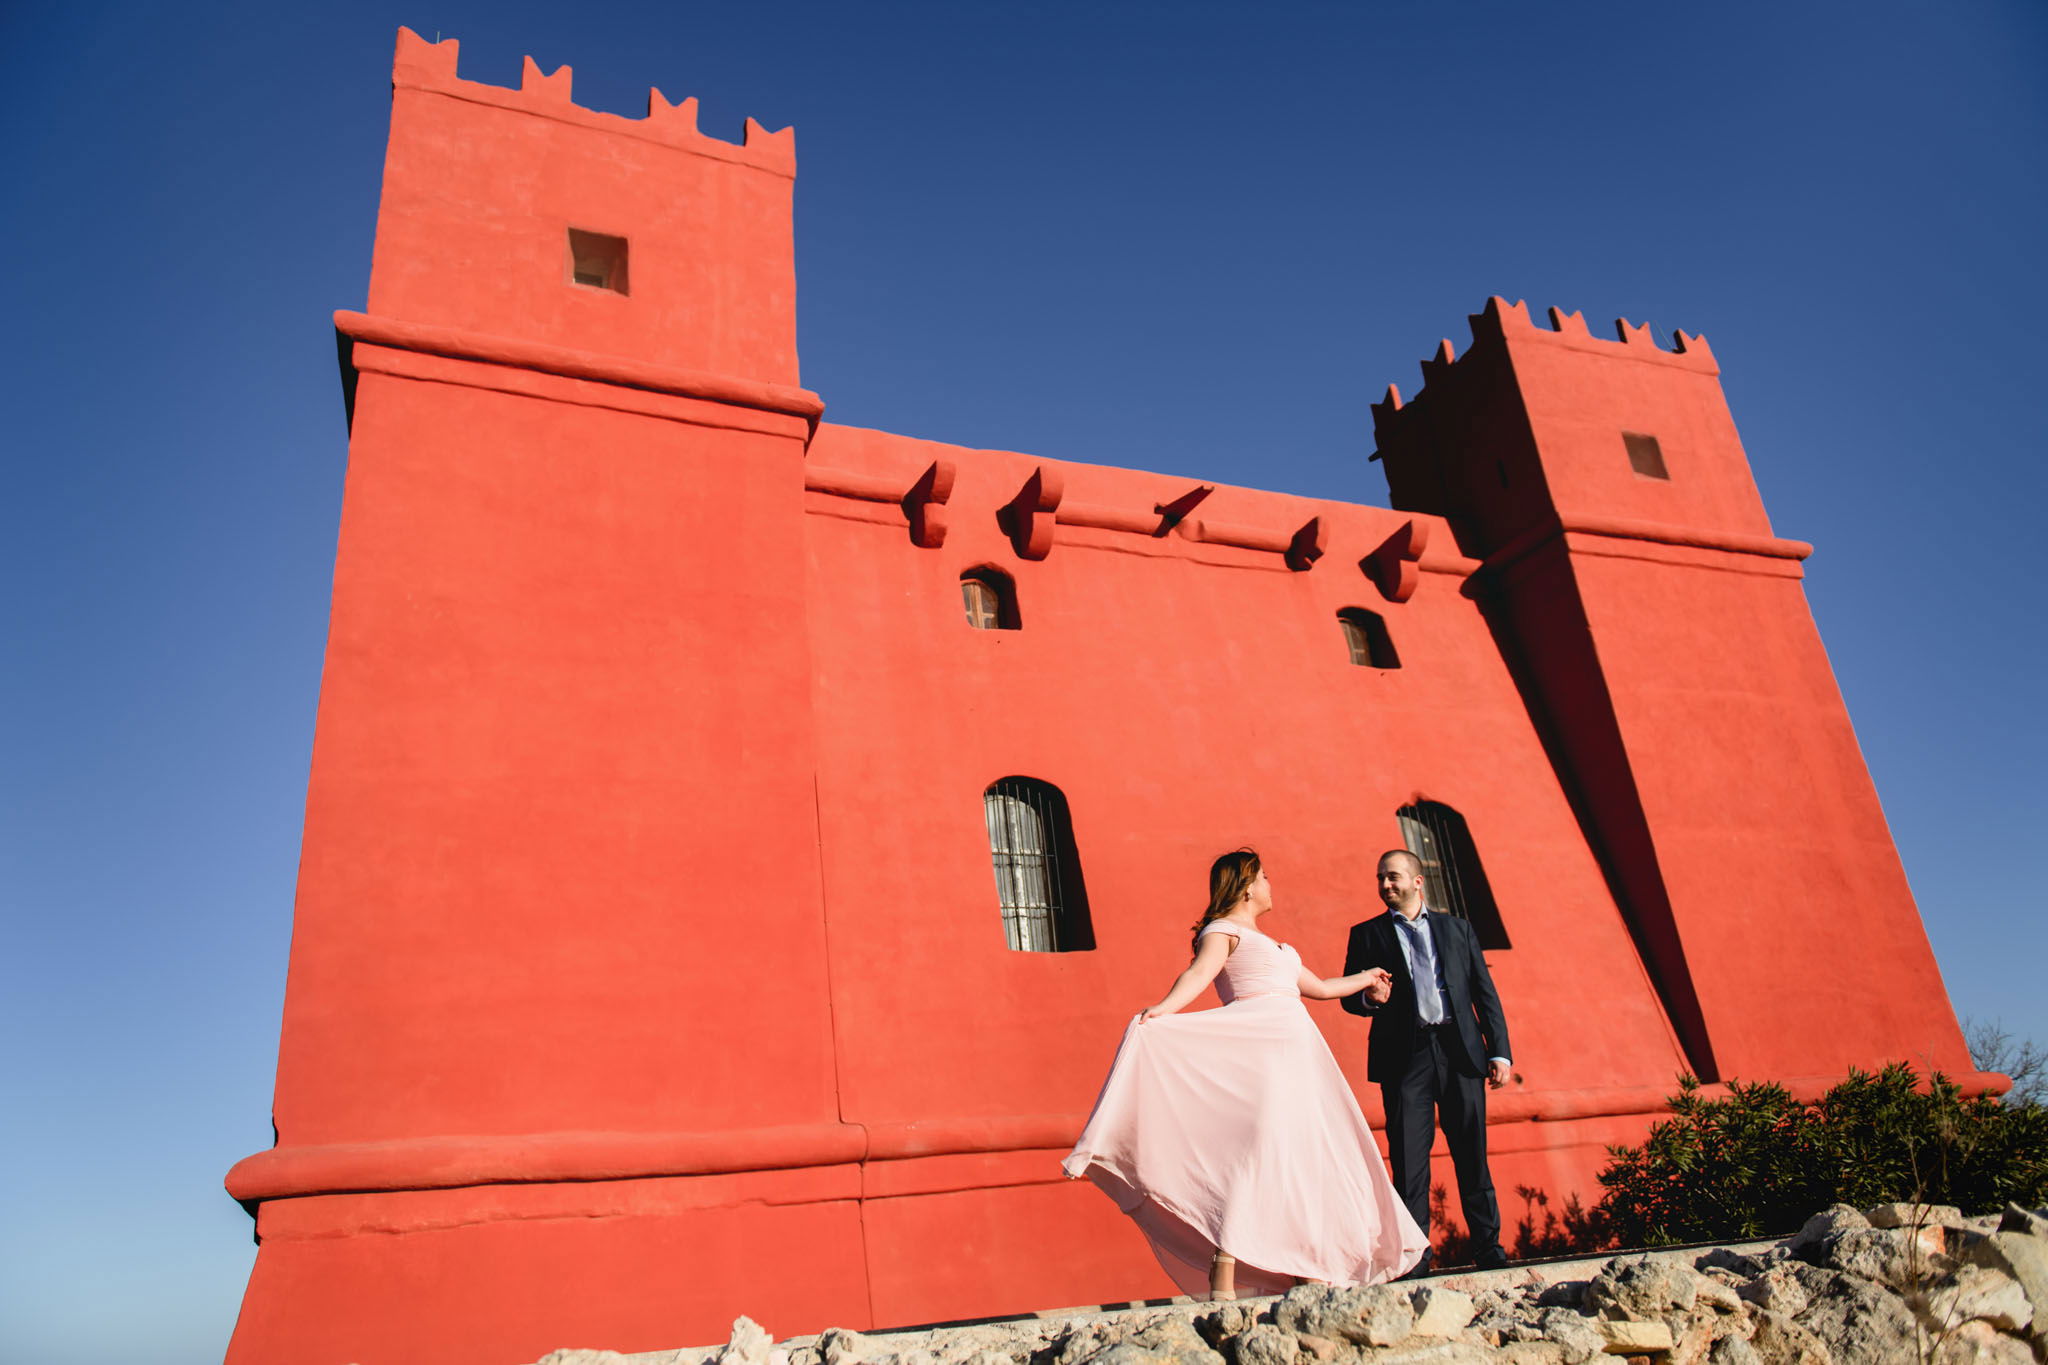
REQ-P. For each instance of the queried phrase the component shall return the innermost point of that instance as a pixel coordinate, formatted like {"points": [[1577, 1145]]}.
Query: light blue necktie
{"points": [[1429, 999]]}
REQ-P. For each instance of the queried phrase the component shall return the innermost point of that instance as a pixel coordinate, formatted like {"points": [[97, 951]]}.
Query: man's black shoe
{"points": [[1493, 1258], [1421, 1268]]}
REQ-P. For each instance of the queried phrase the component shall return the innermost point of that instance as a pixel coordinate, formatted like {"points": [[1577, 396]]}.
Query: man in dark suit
{"points": [[1438, 1042]]}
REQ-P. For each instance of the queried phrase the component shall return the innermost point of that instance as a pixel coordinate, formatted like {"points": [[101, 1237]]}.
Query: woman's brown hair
{"points": [[1230, 876]]}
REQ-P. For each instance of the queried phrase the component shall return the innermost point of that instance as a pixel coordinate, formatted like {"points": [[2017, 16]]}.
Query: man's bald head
{"points": [[1403, 859]]}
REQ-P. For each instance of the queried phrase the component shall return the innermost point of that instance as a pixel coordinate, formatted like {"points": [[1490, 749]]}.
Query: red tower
{"points": [[1665, 649], [667, 943], [543, 851]]}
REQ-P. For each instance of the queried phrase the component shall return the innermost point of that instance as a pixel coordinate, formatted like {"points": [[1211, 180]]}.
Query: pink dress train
{"points": [[1234, 1128]]}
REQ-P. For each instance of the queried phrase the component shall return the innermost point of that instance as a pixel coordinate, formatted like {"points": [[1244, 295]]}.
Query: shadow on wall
{"points": [[1539, 1233]]}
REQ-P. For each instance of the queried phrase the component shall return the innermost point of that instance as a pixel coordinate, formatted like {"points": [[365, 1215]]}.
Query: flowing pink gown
{"points": [[1233, 1128]]}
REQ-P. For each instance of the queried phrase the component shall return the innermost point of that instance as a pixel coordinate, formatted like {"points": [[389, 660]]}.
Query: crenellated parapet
{"points": [[517, 217], [1504, 324], [1540, 423], [431, 66]]}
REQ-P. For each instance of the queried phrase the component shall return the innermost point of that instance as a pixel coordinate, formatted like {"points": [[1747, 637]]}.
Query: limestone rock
{"points": [[749, 1344], [2024, 1258], [1979, 1343], [1368, 1315], [1977, 1293], [1915, 1216], [2033, 1222], [1440, 1312], [1780, 1340], [1224, 1321], [1642, 1287], [1721, 1258], [1010, 1339], [958, 1343], [1622, 1337], [1414, 1352], [1077, 1343], [1693, 1336], [1859, 1321], [984, 1357], [838, 1346], [1317, 1348], [1136, 1352], [1127, 1353], [1716, 1294], [1563, 1294], [581, 1357], [1898, 1257], [1778, 1290], [1581, 1337], [1152, 1340], [1823, 1228], [1733, 1350], [1531, 1353], [1493, 1313], [1265, 1344]]}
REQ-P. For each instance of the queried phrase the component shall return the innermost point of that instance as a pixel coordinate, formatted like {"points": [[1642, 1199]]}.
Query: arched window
{"points": [[1453, 880], [990, 598], [1365, 635], [1038, 871]]}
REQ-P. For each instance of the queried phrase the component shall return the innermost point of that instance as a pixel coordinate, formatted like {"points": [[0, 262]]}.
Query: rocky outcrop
{"points": [[1897, 1285]]}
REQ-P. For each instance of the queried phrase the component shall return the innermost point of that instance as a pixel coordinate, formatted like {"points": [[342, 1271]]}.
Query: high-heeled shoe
{"points": [[1222, 1277]]}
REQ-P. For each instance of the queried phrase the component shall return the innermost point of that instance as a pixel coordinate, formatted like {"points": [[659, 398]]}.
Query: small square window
{"points": [[1645, 456], [597, 261]]}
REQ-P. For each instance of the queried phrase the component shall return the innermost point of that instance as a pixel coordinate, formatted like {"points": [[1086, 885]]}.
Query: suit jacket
{"points": [[1481, 1030]]}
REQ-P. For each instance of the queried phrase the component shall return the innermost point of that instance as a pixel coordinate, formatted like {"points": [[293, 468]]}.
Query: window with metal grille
{"points": [[597, 260], [1038, 870], [1645, 456], [990, 598], [1365, 635], [1453, 880]]}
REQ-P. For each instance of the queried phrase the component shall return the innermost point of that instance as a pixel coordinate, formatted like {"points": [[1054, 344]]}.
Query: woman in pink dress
{"points": [[1230, 1135]]}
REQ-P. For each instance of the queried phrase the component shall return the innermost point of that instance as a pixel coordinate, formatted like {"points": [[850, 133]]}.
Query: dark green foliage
{"points": [[1543, 1231], [1758, 1163]]}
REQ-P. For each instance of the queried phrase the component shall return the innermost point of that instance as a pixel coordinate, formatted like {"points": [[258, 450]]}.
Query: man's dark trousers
{"points": [[1429, 1088]]}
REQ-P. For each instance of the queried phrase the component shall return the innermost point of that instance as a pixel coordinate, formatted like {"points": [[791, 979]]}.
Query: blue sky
{"points": [[1186, 237]]}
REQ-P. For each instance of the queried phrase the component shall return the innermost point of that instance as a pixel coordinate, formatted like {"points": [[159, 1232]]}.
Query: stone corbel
{"points": [[1307, 546], [1029, 517], [1395, 567], [925, 505]]}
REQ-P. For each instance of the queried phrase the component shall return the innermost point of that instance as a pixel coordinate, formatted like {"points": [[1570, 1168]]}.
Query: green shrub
{"points": [[1757, 1163]]}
